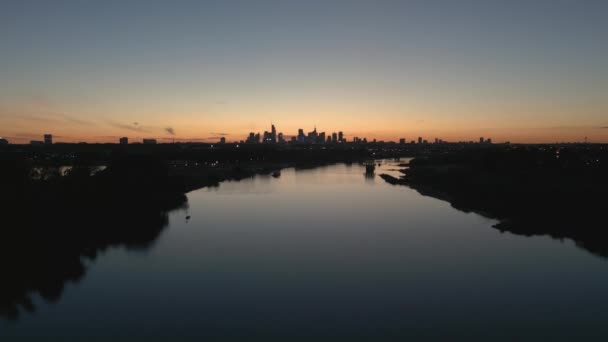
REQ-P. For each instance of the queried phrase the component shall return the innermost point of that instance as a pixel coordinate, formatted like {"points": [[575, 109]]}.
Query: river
{"points": [[330, 253]]}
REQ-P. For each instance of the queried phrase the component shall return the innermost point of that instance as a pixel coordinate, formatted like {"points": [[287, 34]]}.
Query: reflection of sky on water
{"points": [[327, 252]]}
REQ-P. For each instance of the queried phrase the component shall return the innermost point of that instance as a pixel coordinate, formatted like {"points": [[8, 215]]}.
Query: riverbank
{"points": [[531, 192]]}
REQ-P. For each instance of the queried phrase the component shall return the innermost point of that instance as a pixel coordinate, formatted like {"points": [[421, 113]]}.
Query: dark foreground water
{"points": [[327, 253]]}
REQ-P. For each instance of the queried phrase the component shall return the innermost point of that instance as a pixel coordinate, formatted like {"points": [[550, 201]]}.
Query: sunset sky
{"points": [[520, 71]]}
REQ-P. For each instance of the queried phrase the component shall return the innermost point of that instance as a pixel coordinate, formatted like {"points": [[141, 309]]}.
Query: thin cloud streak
{"points": [[135, 127], [78, 121]]}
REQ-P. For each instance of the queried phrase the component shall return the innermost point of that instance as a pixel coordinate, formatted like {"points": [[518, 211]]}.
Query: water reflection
{"points": [[40, 254], [53, 224], [318, 253]]}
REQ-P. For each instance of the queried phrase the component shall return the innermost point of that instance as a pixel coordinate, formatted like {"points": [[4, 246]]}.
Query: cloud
{"points": [[77, 121], [170, 130], [36, 118], [135, 127], [604, 127], [220, 134]]}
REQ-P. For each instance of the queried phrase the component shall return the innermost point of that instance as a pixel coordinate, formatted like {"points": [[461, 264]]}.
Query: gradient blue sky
{"points": [[524, 71]]}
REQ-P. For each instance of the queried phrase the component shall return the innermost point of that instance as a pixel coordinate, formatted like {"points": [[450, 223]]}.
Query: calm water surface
{"points": [[330, 253]]}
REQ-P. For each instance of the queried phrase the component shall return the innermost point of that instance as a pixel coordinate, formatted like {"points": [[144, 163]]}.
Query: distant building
{"points": [[402, 141], [48, 139], [489, 141], [124, 141], [281, 138], [340, 137], [273, 135], [481, 140], [36, 142], [3, 141], [149, 141], [222, 140], [321, 138], [301, 136], [334, 137], [420, 140], [313, 136]]}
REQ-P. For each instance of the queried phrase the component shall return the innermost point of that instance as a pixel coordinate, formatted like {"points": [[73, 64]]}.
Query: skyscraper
{"points": [[301, 136], [273, 135], [312, 136], [334, 137], [48, 139], [340, 137], [124, 141]]}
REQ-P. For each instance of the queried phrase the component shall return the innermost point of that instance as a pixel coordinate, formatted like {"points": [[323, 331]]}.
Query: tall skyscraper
{"points": [[340, 137], [334, 137], [273, 135], [48, 139], [312, 136], [420, 140], [301, 136]]}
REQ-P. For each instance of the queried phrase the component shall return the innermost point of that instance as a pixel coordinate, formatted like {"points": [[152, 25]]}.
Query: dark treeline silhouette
{"points": [[64, 154], [51, 222], [557, 191]]}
